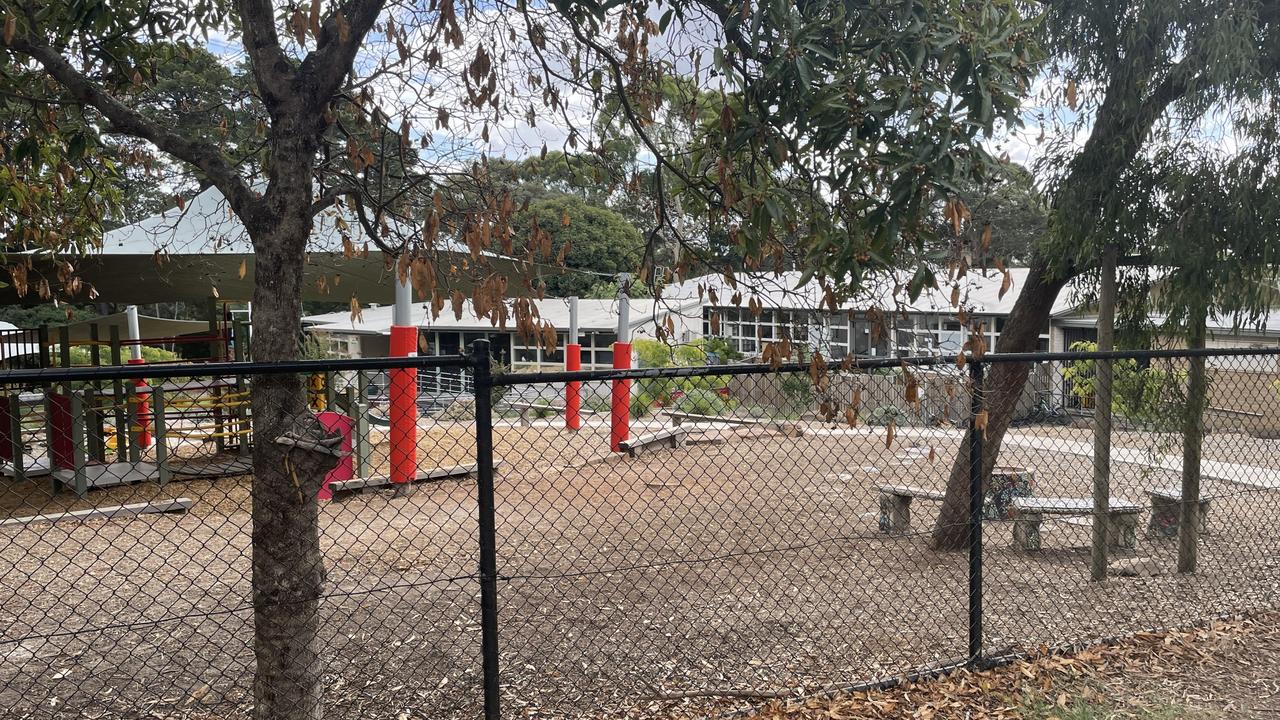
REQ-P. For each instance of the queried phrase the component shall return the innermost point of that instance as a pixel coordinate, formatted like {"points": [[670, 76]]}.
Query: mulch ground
{"points": [[749, 560], [1224, 669]]}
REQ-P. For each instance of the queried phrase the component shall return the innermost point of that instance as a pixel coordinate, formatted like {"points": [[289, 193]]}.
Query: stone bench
{"points": [[636, 446], [1029, 512], [895, 506], [784, 427], [526, 407], [1166, 512]]}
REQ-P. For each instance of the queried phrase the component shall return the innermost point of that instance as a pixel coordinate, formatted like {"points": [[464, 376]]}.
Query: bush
{"points": [[1146, 395], [798, 389], [663, 392], [80, 355], [885, 414], [705, 402]]}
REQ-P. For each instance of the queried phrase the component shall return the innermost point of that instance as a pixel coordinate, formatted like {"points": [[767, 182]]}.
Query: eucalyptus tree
{"points": [[871, 109], [1134, 86]]}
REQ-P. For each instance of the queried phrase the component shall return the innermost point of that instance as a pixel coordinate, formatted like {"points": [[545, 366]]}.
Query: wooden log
{"points": [[165, 506], [673, 437], [347, 487]]}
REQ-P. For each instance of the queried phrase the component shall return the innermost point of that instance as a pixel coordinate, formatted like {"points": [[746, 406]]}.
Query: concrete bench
{"points": [[1166, 512], [1029, 512], [895, 506], [673, 437], [525, 408]]}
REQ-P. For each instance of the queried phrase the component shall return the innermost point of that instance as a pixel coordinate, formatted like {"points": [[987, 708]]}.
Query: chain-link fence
{"points": [[434, 537]]}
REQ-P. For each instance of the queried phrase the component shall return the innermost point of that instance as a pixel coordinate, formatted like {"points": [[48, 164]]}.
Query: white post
{"points": [[572, 338], [135, 332], [624, 308], [402, 312]]}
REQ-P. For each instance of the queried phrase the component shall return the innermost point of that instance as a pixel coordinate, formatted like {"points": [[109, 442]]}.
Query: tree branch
{"points": [[127, 121], [272, 69], [328, 65]]}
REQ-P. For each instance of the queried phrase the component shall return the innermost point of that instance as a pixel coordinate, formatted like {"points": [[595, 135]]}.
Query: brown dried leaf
{"points": [[244, 267], [818, 371], [314, 19], [457, 299], [298, 26]]}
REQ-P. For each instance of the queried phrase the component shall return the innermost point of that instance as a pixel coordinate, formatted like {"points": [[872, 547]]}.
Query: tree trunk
{"points": [[1192, 440], [288, 571], [1004, 382]]}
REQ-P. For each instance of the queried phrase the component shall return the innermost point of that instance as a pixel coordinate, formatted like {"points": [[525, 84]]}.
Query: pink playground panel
{"points": [[345, 470]]}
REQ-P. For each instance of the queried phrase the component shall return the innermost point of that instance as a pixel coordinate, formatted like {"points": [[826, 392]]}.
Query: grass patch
{"points": [[1091, 705]]}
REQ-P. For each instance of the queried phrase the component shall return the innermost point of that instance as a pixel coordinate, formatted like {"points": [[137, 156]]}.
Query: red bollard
{"points": [[404, 407], [144, 408], [573, 389], [619, 428]]}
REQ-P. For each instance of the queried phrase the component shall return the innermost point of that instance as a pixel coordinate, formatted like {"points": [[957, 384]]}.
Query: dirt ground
{"points": [[1220, 669], [747, 560]]}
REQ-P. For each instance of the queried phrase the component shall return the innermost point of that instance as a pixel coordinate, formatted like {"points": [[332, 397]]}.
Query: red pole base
{"points": [[144, 408], [619, 428], [403, 415], [573, 390]]}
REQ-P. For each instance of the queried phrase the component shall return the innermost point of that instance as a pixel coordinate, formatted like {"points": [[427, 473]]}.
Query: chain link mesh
{"points": [[763, 533]]}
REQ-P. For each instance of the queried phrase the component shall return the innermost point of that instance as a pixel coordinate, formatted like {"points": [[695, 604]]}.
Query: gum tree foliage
{"points": [[868, 110], [587, 244], [1006, 208], [1163, 117]]}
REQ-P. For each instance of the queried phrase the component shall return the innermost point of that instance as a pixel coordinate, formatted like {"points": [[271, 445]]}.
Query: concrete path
{"points": [[1248, 475]]}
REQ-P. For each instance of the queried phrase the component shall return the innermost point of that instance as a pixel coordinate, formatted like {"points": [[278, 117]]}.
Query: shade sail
{"points": [[156, 329], [197, 252]]}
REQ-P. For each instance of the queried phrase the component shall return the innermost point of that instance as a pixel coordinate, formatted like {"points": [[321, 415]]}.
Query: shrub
{"points": [[1147, 395], [650, 392], [798, 389], [885, 414], [705, 402], [80, 355]]}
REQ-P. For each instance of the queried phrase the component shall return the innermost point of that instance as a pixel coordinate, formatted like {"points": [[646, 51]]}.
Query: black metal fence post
{"points": [[488, 533], [977, 430]]}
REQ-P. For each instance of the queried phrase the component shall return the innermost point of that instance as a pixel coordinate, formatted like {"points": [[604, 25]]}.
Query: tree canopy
{"points": [[576, 245]]}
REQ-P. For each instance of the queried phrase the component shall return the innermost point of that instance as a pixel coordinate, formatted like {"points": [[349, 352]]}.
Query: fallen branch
{"points": [[753, 694]]}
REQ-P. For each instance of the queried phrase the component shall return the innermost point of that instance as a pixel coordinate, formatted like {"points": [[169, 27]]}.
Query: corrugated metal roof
{"points": [[979, 292], [593, 316]]}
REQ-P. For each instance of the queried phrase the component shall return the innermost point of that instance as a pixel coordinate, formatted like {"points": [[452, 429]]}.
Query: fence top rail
{"points": [[1070, 356], [533, 378], [171, 370]]}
